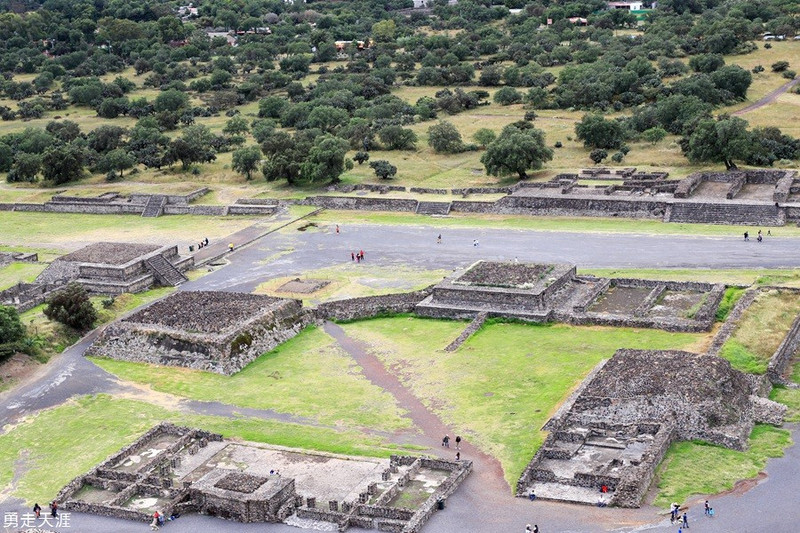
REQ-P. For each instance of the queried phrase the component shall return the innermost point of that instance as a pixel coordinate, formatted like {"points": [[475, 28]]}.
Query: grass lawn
{"points": [[730, 276], [569, 224], [700, 468], [350, 280], [505, 382], [16, 272], [761, 330], [281, 380], [70, 230], [44, 452]]}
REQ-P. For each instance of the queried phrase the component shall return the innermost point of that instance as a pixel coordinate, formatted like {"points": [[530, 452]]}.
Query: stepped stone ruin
{"points": [[174, 469], [118, 267], [215, 331], [617, 426], [546, 293]]}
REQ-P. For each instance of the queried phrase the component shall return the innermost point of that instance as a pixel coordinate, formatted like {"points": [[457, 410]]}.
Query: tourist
{"points": [[528, 529], [337, 229], [362, 254], [54, 509], [474, 242], [535, 528], [439, 239], [458, 456], [711, 512], [746, 235], [446, 441], [352, 256], [154, 523], [769, 232], [230, 247], [458, 442], [205, 241], [706, 507], [759, 238], [532, 495], [685, 521], [37, 509]]}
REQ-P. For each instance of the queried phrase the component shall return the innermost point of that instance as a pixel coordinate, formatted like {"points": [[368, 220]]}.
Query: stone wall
{"points": [[572, 206], [782, 358], [225, 353], [426, 190], [362, 203], [727, 329], [369, 306]]}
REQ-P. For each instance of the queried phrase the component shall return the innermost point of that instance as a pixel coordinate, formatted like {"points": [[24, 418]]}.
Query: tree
{"points": [[246, 160], [723, 140], [733, 79], [597, 155], [271, 106], [171, 100], [484, 137], [444, 138], [361, 157], [707, 63], [327, 118], [780, 66], [654, 135], [236, 126], [325, 161], [397, 138], [384, 30], [597, 132], [516, 151], [71, 306], [118, 159], [383, 169], [11, 328], [507, 96], [25, 168], [106, 138], [62, 164]]}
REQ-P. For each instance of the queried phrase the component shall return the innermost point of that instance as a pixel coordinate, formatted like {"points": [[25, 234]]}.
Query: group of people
{"points": [[446, 444], [158, 520], [37, 509], [357, 257], [203, 243], [534, 530], [760, 236], [676, 516]]}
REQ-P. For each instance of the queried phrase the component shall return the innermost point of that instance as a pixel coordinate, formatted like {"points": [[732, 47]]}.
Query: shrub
{"points": [[780, 66], [71, 307], [789, 74]]}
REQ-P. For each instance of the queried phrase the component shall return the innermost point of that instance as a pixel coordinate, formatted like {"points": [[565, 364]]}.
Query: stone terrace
{"points": [[615, 429], [214, 331], [109, 253], [204, 311], [180, 470]]}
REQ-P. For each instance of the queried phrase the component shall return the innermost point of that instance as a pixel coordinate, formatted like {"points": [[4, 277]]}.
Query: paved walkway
{"points": [[483, 503], [769, 98]]}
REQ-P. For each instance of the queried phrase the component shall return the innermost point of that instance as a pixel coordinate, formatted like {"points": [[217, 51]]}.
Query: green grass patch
{"points": [[730, 276], [282, 380], [697, 467], [49, 449], [761, 330], [728, 302], [504, 383], [790, 398], [17, 272], [571, 224]]}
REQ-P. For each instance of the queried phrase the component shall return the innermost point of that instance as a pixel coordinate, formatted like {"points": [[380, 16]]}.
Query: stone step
{"points": [[154, 206], [430, 307], [433, 208], [164, 272], [714, 213]]}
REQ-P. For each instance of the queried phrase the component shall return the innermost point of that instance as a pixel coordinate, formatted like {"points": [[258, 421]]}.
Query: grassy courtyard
{"points": [[761, 330], [503, 384], [41, 454], [281, 381]]}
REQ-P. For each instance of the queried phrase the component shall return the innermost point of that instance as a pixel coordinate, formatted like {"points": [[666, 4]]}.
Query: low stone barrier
{"points": [[426, 190], [362, 203], [780, 360], [369, 306]]}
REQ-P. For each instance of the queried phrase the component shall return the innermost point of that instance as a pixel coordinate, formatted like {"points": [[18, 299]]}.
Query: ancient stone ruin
{"points": [[214, 331], [615, 429], [546, 293], [174, 469]]}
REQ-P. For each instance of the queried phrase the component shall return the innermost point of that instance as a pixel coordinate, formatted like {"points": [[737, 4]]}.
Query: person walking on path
{"points": [[37, 509], [706, 507], [361, 253], [230, 247], [458, 456], [337, 229], [439, 239], [746, 236], [446, 441], [685, 521], [352, 256], [474, 242], [54, 509], [458, 442]]}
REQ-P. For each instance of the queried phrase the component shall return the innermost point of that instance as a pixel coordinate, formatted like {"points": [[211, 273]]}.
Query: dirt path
{"points": [[769, 98], [485, 467]]}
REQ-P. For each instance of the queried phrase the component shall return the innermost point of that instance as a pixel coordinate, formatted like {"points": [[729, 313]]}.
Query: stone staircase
{"points": [[433, 208], [164, 272], [731, 213], [154, 206]]}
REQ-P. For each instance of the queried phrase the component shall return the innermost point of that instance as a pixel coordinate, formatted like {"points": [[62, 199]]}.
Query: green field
{"points": [[504, 383], [761, 330], [16, 272], [280, 380], [41, 454]]}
